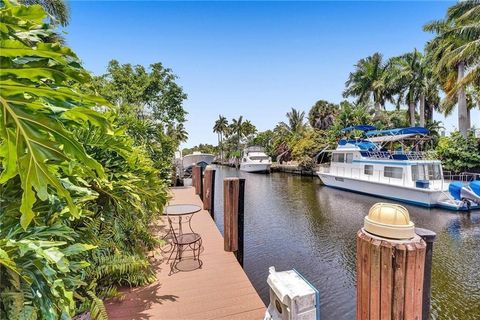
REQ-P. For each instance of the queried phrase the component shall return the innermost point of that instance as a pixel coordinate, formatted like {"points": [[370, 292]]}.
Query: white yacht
{"points": [[364, 166], [254, 159]]}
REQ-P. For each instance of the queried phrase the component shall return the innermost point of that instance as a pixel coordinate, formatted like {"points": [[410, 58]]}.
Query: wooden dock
{"points": [[219, 290]]}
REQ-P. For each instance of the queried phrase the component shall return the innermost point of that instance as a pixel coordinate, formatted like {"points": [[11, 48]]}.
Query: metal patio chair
{"points": [[190, 240]]}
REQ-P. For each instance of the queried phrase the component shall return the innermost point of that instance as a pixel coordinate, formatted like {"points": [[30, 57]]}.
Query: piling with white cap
{"points": [[390, 265]]}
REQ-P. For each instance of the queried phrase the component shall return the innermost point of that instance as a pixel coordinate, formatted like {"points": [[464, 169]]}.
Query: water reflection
{"points": [[294, 222]]}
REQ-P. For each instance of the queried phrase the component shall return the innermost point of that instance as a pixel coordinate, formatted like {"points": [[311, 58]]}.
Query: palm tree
{"points": [[296, 121], [456, 50], [248, 129], [178, 133], [408, 75], [237, 129], [371, 78], [322, 114], [57, 9], [220, 128]]}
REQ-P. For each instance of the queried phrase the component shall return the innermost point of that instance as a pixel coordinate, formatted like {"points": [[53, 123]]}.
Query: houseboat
{"points": [[363, 165], [254, 159]]}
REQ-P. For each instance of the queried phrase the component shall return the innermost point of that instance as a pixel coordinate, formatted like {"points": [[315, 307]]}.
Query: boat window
{"points": [[258, 158], [434, 172], [418, 172], [368, 170], [349, 158], [430, 171], [393, 172], [339, 157]]}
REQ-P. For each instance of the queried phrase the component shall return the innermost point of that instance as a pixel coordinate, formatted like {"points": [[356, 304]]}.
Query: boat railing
{"points": [[399, 155], [462, 177]]}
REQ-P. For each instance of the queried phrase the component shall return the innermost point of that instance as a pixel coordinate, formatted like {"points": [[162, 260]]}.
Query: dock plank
{"points": [[219, 290]]}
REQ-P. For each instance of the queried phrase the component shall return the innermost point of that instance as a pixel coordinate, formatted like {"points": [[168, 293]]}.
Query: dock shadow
{"points": [[137, 302]]}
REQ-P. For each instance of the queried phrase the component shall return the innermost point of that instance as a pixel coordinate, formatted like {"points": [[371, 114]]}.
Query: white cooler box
{"points": [[291, 297]]}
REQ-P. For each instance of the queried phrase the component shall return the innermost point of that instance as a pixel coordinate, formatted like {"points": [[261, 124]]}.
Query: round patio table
{"points": [[181, 213]]}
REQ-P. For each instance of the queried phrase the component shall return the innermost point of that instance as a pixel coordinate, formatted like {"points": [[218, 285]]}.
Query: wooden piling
{"points": [[196, 178], [209, 191], [389, 277], [233, 197]]}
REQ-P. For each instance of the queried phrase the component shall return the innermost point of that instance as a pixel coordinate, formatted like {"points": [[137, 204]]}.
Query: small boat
{"points": [[363, 165], [254, 159]]}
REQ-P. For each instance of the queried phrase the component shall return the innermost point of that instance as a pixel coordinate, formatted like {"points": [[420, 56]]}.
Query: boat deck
{"points": [[219, 290]]}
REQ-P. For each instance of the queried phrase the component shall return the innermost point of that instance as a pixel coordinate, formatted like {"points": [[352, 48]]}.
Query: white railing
{"points": [[389, 155], [462, 177]]}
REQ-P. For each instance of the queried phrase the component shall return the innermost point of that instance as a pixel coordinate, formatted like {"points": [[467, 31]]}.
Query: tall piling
{"points": [[209, 190], [233, 197]]}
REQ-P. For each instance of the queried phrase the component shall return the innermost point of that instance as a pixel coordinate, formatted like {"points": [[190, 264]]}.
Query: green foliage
{"points": [[312, 142], [265, 139], [78, 187], [203, 148], [458, 153], [149, 105], [322, 114]]}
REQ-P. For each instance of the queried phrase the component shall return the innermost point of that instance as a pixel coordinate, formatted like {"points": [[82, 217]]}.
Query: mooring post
{"points": [[233, 199], [200, 181], [429, 237], [209, 190], [390, 265], [194, 183]]}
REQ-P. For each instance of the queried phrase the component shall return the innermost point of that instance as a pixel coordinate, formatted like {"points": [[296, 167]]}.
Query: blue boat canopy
{"points": [[362, 144], [396, 132], [363, 128]]}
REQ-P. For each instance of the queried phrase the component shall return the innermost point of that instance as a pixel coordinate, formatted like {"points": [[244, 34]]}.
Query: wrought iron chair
{"points": [[191, 240]]}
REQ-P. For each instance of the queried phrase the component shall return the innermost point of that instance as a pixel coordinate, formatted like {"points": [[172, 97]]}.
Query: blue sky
{"points": [[256, 59]]}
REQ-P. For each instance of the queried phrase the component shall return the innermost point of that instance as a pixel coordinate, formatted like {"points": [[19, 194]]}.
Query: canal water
{"points": [[294, 222]]}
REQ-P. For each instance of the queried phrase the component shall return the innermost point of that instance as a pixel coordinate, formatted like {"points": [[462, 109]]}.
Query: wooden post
{"points": [[194, 183], [390, 277], [196, 178], [233, 198], [429, 237], [200, 182], [209, 190]]}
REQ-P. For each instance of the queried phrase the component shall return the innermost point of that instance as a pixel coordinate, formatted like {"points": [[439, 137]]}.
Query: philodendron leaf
{"points": [[6, 261], [77, 248], [40, 110]]}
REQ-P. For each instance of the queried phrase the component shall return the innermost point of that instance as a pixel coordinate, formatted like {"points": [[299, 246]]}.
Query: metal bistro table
{"points": [[182, 213], [190, 239]]}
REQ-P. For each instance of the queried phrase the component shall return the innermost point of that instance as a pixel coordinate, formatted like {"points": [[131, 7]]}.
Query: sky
{"points": [[256, 59]]}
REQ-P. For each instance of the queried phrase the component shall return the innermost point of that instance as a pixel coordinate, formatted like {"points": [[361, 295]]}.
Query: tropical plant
{"points": [[458, 153], [409, 74], [236, 128], [352, 115], [42, 167], [372, 79], [322, 114], [77, 194], [150, 106], [220, 128], [296, 122], [248, 130], [57, 10], [455, 50], [265, 139]]}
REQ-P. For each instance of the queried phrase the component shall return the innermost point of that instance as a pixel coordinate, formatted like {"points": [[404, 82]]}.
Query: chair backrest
{"points": [[172, 230]]}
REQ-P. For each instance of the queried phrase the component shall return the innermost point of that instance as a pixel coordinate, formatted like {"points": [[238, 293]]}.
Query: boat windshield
{"points": [[426, 171]]}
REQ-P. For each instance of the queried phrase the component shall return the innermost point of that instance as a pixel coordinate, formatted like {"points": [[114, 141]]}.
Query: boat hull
{"points": [[416, 196], [255, 167]]}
